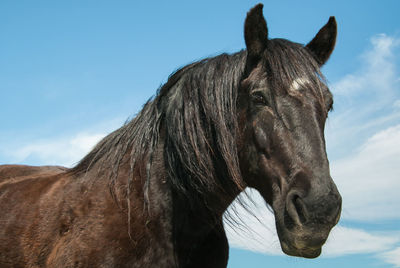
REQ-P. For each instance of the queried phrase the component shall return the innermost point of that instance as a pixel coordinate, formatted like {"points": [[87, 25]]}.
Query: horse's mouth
{"points": [[305, 252], [303, 242]]}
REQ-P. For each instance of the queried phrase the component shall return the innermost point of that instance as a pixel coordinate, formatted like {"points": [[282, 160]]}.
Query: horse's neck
{"points": [[168, 219], [197, 231]]}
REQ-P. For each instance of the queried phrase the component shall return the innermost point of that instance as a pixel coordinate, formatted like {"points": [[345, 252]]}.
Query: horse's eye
{"points": [[259, 98]]}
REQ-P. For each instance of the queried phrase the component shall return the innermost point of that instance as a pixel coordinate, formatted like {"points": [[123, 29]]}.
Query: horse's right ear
{"points": [[255, 32], [324, 42]]}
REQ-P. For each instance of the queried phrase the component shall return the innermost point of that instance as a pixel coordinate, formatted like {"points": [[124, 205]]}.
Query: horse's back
{"points": [[23, 191], [52, 217], [18, 171]]}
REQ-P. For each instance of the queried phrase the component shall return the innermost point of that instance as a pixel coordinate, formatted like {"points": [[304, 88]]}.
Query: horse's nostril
{"points": [[336, 208], [296, 209], [323, 210], [300, 209]]}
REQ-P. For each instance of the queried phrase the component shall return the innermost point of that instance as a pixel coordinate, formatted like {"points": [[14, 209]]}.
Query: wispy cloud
{"points": [[392, 257], [64, 151], [377, 73], [346, 241], [369, 180], [367, 100]]}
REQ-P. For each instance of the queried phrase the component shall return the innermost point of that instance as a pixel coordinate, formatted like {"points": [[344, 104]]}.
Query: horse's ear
{"points": [[324, 42], [255, 32]]}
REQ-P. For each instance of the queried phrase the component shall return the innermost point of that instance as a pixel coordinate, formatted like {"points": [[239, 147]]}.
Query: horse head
{"points": [[283, 104]]}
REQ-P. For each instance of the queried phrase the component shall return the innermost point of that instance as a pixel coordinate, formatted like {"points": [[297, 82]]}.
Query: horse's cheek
{"points": [[262, 131], [260, 137]]}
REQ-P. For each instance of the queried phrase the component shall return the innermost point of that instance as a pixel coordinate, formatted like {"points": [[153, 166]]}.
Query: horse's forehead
{"points": [[299, 83]]}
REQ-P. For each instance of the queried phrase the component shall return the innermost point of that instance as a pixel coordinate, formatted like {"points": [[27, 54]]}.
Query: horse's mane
{"points": [[194, 113]]}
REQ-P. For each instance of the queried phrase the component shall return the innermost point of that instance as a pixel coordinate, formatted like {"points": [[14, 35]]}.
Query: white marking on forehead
{"points": [[298, 83]]}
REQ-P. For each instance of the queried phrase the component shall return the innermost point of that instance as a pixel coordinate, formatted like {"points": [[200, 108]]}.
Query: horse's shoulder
{"points": [[18, 171]]}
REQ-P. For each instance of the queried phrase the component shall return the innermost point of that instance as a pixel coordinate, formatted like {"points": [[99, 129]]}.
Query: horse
{"points": [[153, 193]]}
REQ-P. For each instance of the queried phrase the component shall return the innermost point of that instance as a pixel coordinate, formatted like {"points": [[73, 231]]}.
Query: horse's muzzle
{"points": [[306, 221]]}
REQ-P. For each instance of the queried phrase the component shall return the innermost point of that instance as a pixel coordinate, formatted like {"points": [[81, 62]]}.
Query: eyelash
{"points": [[330, 106]]}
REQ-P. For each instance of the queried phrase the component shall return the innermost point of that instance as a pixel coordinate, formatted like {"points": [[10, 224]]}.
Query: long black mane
{"points": [[195, 112]]}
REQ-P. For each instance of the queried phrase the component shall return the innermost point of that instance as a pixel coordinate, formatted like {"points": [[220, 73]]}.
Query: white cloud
{"points": [[392, 257], [346, 241], [62, 151], [369, 181], [367, 100], [65, 150], [378, 73]]}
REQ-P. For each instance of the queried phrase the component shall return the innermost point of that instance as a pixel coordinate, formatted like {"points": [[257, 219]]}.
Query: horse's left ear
{"points": [[255, 33], [324, 42]]}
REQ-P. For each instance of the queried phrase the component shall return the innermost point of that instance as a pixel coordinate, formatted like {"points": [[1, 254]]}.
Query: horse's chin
{"points": [[302, 243], [305, 252]]}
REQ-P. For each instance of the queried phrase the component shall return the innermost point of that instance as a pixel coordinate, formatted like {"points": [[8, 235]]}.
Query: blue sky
{"points": [[72, 71]]}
